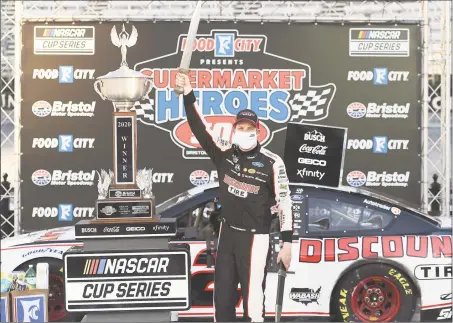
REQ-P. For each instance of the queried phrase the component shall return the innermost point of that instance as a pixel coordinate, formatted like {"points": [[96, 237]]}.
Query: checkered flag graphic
{"points": [[144, 108], [312, 105]]}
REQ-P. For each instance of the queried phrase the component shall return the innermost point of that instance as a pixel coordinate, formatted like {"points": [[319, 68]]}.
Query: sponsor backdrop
{"points": [[360, 77]]}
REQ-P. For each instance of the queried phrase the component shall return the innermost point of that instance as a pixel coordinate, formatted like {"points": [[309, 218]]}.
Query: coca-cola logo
{"points": [[314, 150], [112, 229]]}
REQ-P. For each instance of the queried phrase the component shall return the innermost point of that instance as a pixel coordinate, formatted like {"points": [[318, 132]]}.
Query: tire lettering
{"points": [[343, 309], [402, 280]]}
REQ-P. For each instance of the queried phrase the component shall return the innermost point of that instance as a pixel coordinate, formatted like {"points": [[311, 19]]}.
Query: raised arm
{"points": [[214, 147]]}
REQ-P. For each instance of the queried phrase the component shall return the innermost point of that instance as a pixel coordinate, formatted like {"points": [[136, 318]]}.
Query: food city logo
{"points": [[64, 143], [358, 178], [30, 308], [379, 144], [277, 95], [64, 74], [201, 177], [63, 40], [43, 109], [42, 177], [64, 212], [379, 76], [373, 110]]}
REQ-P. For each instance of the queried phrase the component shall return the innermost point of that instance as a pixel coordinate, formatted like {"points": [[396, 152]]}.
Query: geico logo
{"points": [[130, 290], [309, 161], [136, 265], [63, 141], [135, 229], [89, 230], [52, 212], [51, 74]]}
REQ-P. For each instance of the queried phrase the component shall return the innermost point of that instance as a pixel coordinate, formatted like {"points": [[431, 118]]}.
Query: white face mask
{"points": [[245, 139]]}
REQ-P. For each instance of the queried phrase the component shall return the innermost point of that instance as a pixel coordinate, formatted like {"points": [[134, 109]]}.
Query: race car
{"points": [[357, 256]]}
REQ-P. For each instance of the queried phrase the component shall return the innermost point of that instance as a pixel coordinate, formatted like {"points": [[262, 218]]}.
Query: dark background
{"points": [[323, 47]]}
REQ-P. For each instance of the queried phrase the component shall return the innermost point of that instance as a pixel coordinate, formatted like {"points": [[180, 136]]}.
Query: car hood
{"points": [[51, 235]]}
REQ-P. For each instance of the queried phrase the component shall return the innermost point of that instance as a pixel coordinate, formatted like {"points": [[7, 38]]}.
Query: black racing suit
{"points": [[250, 184]]}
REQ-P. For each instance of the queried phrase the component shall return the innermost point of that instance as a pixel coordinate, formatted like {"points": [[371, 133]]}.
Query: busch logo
{"points": [[315, 136], [314, 150], [277, 95]]}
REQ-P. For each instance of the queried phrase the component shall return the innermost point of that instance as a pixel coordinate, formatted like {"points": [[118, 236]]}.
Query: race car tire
{"points": [[57, 311], [374, 292]]}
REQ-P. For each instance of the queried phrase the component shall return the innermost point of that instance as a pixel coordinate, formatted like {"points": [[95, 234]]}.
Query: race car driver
{"points": [[252, 180]]}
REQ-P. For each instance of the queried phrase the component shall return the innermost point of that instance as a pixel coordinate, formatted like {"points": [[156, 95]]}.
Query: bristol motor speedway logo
{"points": [[357, 110], [42, 177], [43, 109], [201, 177], [278, 94], [358, 178]]}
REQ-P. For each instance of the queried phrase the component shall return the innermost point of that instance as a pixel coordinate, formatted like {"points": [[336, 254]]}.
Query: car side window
{"points": [[195, 223], [332, 215]]}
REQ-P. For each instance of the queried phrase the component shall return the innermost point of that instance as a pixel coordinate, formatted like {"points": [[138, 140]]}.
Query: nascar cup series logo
{"points": [[383, 179], [278, 94], [42, 177]]}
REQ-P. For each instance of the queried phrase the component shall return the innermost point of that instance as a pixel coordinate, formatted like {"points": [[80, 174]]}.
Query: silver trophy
{"points": [[124, 190]]}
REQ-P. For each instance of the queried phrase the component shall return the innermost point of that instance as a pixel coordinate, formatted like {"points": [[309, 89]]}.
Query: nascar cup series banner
{"points": [[360, 77]]}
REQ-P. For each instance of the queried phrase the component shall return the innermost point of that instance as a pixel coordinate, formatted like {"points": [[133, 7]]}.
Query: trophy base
{"points": [[119, 209]]}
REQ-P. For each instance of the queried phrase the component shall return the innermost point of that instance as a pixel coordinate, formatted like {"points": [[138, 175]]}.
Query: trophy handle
{"points": [[98, 89], [179, 90], [150, 87]]}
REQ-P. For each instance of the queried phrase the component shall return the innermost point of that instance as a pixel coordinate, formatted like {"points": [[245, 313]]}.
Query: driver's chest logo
{"points": [[238, 188]]}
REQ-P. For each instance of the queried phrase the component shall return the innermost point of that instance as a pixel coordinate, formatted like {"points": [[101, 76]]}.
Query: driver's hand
{"points": [[182, 81], [285, 254]]}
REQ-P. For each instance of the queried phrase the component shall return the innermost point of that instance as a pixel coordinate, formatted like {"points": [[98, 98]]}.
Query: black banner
{"points": [[132, 280], [314, 154], [88, 229], [336, 75]]}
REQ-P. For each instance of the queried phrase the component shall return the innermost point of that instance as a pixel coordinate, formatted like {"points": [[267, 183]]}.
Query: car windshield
{"points": [[173, 201]]}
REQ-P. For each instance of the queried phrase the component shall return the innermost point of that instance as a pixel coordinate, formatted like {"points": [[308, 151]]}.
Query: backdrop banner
{"points": [[357, 76], [314, 154]]}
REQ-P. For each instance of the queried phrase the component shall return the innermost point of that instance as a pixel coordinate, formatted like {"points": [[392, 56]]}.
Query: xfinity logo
{"points": [[64, 212], [310, 173], [429, 272], [64, 74], [65, 143], [379, 76], [379, 144]]}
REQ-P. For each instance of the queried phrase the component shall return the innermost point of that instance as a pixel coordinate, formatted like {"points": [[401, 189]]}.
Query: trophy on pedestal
{"points": [[125, 192]]}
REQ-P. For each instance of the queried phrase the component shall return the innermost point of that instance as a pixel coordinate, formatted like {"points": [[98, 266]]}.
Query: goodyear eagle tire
{"points": [[374, 292]]}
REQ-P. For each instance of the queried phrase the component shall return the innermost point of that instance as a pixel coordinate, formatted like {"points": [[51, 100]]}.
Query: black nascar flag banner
{"points": [[314, 154], [357, 76]]}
